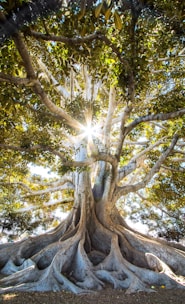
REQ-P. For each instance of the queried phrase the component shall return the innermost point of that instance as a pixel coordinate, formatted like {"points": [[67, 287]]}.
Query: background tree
{"points": [[95, 93]]}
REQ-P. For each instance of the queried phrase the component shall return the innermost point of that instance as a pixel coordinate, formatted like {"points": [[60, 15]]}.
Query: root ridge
{"points": [[86, 257]]}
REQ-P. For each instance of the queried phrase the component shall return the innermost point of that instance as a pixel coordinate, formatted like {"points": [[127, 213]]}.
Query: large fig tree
{"points": [[95, 93]]}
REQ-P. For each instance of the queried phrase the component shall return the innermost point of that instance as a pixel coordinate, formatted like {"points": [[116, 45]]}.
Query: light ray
{"points": [[89, 131]]}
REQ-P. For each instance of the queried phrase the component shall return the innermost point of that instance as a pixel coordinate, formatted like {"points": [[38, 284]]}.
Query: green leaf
{"points": [[82, 9], [108, 13], [118, 21], [98, 9]]}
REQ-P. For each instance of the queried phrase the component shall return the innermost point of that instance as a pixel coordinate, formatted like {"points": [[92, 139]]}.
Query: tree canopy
{"points": [[94, 91]]}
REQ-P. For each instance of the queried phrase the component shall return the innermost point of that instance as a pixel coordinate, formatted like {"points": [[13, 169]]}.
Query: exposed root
{"points": [[115, 271], [100, 236], [11, 268], [21, 277], [87, 256], [50, 278], [83, 270], [157, 265], [20, 251], [173, 257], [132, 277]]}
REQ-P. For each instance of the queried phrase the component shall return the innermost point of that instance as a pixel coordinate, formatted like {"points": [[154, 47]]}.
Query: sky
{"points": [[39, 170]]}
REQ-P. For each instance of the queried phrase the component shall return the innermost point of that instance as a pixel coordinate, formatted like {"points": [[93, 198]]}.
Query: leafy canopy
{"points": [[78, 51]]}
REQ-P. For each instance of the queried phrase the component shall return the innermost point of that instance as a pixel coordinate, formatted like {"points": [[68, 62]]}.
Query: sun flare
{"points": [[89, 131]]}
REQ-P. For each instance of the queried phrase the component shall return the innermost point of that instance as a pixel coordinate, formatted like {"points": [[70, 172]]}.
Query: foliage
{"points": [[139, 49]]}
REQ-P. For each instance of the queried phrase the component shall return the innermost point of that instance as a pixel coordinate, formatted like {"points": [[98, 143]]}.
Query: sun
{"points": [[89, 131]]}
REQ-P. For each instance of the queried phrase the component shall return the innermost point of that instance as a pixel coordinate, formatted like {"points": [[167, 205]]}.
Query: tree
{"points": [[95, 92]]}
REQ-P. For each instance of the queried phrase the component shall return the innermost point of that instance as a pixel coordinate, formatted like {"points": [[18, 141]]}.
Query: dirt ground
{"points": [[106, 296]]}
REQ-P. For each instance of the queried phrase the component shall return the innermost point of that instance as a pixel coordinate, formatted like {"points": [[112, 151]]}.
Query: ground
{"points": [[106, 296]]}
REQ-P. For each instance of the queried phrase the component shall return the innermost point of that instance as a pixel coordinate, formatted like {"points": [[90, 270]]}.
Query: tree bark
{"points": [[91, 247]]}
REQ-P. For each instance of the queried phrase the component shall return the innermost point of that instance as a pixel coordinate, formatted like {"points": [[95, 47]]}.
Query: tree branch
{"points": [[16, 80], [16, 184], [37, 85], [80, 40], [67, 178], [158, 207], [53, 187], [87, 162], [45, 191], [180, 55], [133, 164], [136, 143], [120, 191], [179, 152], [173, 169], [107, 158], [71, 41], [115, 50], [153, 117], [110, 112], [46, 204], [59, 88], [178, 160], [122, 135], [21, 47], [25, 14], [31, 149]]}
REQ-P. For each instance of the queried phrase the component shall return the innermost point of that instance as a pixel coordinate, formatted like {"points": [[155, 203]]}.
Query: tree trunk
{"points": [[91, 247]]}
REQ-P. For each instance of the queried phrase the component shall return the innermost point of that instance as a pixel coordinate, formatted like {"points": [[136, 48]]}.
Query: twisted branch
{"points": [[120, 191]]}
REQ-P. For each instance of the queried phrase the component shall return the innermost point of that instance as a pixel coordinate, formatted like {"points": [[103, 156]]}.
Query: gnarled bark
{"points": [[92, 247]]}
